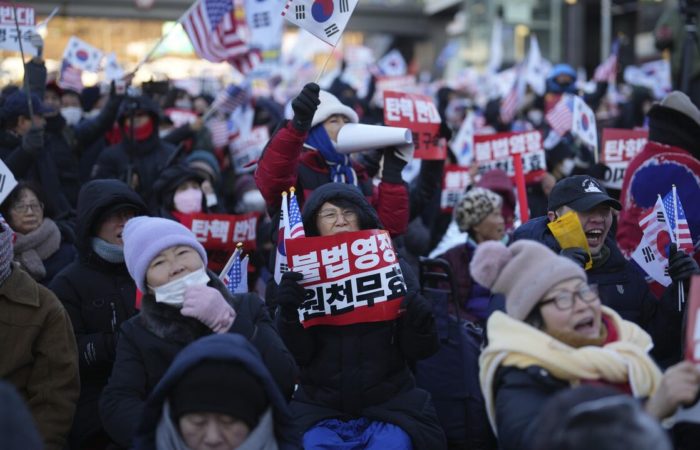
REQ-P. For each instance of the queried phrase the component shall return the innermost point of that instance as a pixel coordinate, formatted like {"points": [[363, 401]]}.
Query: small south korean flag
{"points": [[325, 19], [584, 126], [82, 55]]}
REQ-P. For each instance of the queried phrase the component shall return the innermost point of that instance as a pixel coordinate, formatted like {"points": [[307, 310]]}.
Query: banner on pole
{"points": [[419, 114], [495, 151], [619, 147], [9, 38], [348, 278]]}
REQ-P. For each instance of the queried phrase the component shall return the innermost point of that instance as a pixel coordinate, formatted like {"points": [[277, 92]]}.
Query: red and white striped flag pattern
{"points": [[561, 117], [656, 229], [511, 102], [219, 132], [682, 233], [607, 70]]}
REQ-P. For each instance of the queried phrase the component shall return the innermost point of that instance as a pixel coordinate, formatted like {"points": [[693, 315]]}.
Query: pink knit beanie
{"points": [[523, 272]]}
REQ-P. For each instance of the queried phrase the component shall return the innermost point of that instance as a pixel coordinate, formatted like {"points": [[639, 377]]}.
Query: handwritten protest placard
{"points": [[348, 278]]}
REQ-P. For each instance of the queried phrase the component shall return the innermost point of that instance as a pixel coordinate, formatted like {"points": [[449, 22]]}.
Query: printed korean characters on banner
{"points": [[348, 278], [619, 146], [245, 149], [419, 114], [325, 19], [223, 231], [9, 38], [495, 151], [455, 181]]}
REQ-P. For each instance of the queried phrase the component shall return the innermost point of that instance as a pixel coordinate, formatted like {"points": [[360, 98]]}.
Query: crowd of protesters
{"points": [[117, 331]]}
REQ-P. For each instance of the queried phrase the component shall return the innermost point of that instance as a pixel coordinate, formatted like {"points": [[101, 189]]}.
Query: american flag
{"points": [[236, 276], [230, 98], [680, 229], [296, 226], [511, 102], [608, 68], [656, 229], [561, 117], [219, 132], [218, 35]]}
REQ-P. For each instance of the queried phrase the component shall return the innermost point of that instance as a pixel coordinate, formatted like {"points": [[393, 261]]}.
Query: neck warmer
{"points": [[513, 343], [338, 164], [112, 253], [601, 258], [33, 248], [6, 252], [142, 132]]}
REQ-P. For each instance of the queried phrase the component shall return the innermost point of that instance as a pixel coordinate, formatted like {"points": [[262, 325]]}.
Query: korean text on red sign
{"points": [[223, 231], [455, 181], [419, 114], [619, 146], [348, 278], [496, 151]]}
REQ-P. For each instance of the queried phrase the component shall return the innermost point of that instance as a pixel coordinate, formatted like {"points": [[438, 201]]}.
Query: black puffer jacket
{"points": [[149, 342], [361, 370], [138, 163], [98, 296]]}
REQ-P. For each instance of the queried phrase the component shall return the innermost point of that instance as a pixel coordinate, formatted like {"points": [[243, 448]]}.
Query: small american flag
{"points": [[561, 117], [217, 34], [679, 229], [219, 132], [608, 68], [511, 102], [235, 275], [295, 224], [230, 98]]}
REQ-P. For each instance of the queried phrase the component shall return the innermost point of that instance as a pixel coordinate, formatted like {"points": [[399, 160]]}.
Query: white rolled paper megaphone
{"points": [[356, 137]]}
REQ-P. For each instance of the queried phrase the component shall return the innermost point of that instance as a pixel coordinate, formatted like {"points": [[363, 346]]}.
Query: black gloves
{"points": [[304, 106], [33, 140], [394, 162], [576, 254], [680, 265], [419, 313], [290, 294]]}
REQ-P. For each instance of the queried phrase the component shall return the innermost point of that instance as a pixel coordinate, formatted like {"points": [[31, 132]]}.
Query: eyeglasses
{"points": [[26, 207], [564, 300], [329, 216]]}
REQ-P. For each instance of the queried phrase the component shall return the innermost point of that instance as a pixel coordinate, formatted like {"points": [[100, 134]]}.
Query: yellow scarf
{"points": [[514, 343]]}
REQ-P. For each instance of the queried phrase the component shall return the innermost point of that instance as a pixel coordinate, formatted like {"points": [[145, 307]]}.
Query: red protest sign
{"points": [[692, 328], [619, 146], [495, 151], [417, 113], [348, 278], [455, 181], [223, 231]]}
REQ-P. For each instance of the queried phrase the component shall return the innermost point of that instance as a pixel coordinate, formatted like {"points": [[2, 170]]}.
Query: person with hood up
{"points": [[555, 334], [98, 294], [621, 285], [141, 156], [178, 192], [217, 393], [42, 247], [181, 303], [356, 387], [302, 154], [38, 354]]}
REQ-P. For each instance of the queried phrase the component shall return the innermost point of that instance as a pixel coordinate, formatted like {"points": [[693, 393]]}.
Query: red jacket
{"points": [[286, 163]]}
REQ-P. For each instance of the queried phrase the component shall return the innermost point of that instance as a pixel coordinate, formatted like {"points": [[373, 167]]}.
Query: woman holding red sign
{"points": [[356, 389]]}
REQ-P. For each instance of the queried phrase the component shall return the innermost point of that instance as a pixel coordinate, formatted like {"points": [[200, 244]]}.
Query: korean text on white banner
{"points": [[9, 39], [417, 113], [348, 278], [619, 146], [495, 151], [456, 179], [223, 231], [325, 19], [82, 55], [7, 181]]}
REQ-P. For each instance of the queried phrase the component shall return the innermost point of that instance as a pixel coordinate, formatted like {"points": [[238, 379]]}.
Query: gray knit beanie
{"points": [[523, 272], [474, 206]]}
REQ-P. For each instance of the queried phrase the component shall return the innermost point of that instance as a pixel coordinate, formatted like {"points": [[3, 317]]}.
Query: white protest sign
{"points": [[9, 38]]}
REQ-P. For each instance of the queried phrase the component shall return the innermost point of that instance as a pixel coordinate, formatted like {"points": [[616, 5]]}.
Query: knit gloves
{"points": [[290, 295], [681, 266], [576, 254], [304, 106], [207, 305]]}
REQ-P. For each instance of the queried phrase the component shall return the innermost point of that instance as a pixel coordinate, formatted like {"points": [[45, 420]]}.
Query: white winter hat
{"points": [[329, 106]]}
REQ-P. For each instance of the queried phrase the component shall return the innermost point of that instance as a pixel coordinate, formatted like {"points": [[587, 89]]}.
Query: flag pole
{"points": [[162, 39], [229, 263], [24, 64], [681, 291], [325, 64]]}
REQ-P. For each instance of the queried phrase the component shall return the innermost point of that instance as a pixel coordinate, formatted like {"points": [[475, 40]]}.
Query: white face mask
{"points": [[188, 201], [567, 166], [173, 293], [72, 114]]}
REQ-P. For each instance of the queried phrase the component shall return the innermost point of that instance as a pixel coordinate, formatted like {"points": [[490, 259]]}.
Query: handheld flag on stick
{"points": [[651, 254], [296, 226], [677, 221], [281, 265], [82, 55], [325, 19], [235, 273]]}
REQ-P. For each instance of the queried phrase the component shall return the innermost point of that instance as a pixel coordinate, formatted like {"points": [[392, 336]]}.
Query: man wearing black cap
{"points": [[622, 286]]}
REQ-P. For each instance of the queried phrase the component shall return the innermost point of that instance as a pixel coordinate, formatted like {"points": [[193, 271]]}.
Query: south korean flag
{"points": [[325, 19]]}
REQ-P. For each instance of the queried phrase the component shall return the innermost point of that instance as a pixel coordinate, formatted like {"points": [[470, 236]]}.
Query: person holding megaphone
{"points": [[305, 153]]}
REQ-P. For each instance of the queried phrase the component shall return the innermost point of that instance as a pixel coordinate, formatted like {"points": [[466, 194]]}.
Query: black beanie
{"points": [[219, 387]]}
